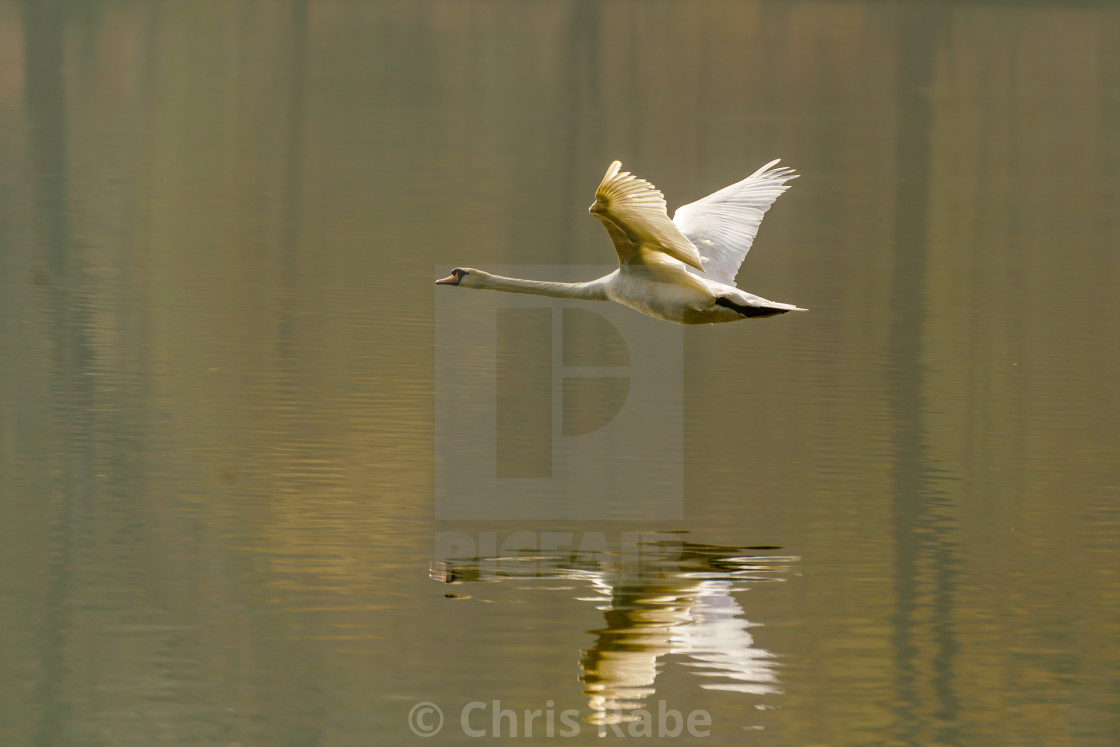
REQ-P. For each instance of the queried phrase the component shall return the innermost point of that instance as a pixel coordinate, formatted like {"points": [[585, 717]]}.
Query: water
{"points": [[219, 226]]}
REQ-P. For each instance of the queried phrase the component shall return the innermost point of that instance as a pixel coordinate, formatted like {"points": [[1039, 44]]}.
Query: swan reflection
{"points": [[668, 597]]}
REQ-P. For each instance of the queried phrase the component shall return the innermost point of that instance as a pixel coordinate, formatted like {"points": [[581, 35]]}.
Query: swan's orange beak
{"points": [[451, 279]]}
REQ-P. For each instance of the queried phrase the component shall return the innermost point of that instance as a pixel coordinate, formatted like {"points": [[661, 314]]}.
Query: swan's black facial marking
{"points": [[454, 278], [749, 311]]}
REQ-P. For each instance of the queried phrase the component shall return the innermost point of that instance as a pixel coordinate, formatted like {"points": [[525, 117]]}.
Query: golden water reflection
{"points": [[661, 597]]}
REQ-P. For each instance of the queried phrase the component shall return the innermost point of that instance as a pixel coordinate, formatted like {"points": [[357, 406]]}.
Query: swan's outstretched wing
{"points": [[723, 224], [633, 212]]}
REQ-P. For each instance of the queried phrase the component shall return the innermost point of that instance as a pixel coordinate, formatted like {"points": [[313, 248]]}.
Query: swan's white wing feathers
{"points": [[633, 212], [723, 225]]}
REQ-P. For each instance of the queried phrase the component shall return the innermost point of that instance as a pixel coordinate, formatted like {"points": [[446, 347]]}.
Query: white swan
{"points": [[680, 270]]}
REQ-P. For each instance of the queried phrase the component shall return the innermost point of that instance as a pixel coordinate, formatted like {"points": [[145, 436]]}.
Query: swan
{"points": [[680, 270]]}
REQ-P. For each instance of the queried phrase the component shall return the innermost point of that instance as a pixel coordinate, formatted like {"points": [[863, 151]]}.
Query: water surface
{"points": [[219, 226]]}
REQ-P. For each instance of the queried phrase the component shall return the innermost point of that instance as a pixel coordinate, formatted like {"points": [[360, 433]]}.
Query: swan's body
{"points": [[680, 270]]}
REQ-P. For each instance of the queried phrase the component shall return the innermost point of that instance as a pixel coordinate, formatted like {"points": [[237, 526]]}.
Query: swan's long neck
{"points": [[592, 290]]}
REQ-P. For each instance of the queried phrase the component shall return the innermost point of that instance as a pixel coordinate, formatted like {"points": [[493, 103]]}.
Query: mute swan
{"points": [[680, 270]]}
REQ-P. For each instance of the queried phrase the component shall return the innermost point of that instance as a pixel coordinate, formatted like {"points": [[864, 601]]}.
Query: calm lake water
{"points": [[242, 435]]}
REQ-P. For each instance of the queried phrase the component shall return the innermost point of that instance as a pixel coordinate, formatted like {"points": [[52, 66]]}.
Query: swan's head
{"points": [[468, 277]]}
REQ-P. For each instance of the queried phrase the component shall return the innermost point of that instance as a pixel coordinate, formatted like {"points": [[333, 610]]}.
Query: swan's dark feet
{"points": [[749, 311]]}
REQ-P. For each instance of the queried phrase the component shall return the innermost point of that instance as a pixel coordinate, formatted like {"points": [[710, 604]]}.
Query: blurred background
{"points": [[219, 223]]}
